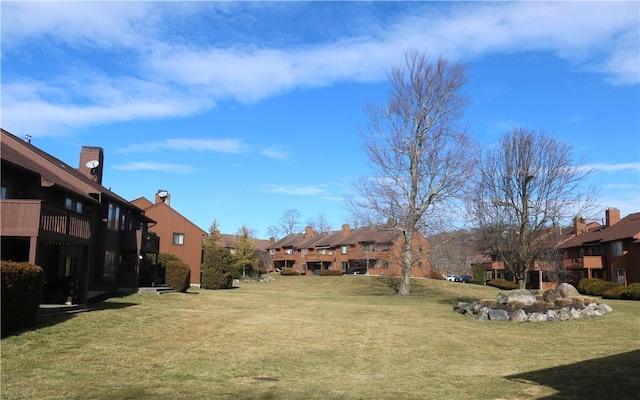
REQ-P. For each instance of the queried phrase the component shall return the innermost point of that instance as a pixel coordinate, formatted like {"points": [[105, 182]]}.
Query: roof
{"points": [[627, 228], [378, 234], [147, 206], [26, 156]]}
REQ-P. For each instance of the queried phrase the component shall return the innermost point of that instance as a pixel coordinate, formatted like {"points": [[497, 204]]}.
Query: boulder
{"points": [[522, 295], [564, 314], [498, 315], [519, 316], [567, 290], [606, 309], [502, 298], [538, 317]]}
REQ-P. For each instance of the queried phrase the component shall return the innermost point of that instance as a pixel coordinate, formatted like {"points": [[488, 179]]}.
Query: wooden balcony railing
{"points": [[37, 218]]}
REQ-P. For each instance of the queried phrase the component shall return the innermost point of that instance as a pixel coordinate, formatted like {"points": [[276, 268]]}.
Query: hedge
{"points": [[331, 272], [503, 284], [177, 275], [598, 287], [22, 285]]}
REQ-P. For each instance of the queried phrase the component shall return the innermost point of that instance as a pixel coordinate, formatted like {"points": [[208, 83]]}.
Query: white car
{"points": [[451, 278]]}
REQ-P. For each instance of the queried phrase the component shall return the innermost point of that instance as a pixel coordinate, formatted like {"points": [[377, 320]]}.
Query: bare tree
{"points": [[527, 187], [452, 251], [320, 223], [421, 157], [289, 223]]}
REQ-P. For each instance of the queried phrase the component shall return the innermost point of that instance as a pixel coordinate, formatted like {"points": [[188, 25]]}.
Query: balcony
{"points": [[582, 262], [34, 218]]}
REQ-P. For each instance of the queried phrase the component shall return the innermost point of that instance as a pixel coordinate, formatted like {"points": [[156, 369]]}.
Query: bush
{"points": [[478, 273], [289, 272], [577, 301], [177, 275], [217, 268], [22, 285], [632, 292], [503, 284], [331, 272], [515, 304], [476, 282], [614, 292], [488, 302], [542, 305], [596, 287], [563, 302], [435, 274]]}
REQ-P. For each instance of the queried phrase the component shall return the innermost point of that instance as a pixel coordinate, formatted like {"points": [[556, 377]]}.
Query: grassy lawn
{"points": [[319, 338]]}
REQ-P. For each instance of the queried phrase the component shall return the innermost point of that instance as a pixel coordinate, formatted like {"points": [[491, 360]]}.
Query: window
{"points": [[109, 270], [113, 218], [344, 265], [4, 192], [72, 204], [272, 251], [618, 276], [385, 264], [178, 238], [343, 249], [616, 248], [384, 247], [288, 251], [366, 247]]}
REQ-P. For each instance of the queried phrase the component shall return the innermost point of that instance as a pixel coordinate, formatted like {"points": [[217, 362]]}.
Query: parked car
{"points": [[450, 278], [463, 278]]}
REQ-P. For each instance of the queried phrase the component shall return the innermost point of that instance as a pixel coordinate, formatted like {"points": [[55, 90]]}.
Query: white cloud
{"points": [[295, 190], [153, 166], [162, 74], [622, 167]]}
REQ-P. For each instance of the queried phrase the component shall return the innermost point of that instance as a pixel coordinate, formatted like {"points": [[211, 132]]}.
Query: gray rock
{"points": [[575, 314], [498, 315], [483, 314], [538, 317], [606, 309], [502, 298], [551, 295], [552, 314], [522, 295], [564, 314], [519, 316], [567, 290]]}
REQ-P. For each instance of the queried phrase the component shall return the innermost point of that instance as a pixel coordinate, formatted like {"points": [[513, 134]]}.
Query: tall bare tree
{"points": [[421, 156], [288, 223], [528, 186], [320, 223]]}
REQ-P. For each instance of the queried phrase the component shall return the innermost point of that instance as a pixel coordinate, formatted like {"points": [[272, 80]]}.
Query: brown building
{"points": [[370, 251], [178, 235], [87, 239], [610, 252]]}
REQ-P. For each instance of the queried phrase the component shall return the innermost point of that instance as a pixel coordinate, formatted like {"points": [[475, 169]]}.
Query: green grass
{"points": [[319, 338]]}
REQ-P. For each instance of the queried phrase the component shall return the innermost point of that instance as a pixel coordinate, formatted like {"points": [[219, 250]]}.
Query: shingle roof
{"points": [[27, 156], [364, 235], [627, 228]]}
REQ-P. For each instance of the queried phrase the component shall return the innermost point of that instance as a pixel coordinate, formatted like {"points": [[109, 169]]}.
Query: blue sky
{"points": [[243, 110]]}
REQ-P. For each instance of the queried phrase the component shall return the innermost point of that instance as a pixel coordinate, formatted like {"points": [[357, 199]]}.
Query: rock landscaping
{"points": [[520, 305]]}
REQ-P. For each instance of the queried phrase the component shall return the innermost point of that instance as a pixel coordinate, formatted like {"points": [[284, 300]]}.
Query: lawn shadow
{"points": [[612, 377], [51, 317]]}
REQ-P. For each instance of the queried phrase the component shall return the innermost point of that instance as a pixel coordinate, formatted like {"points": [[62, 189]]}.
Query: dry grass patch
{"points": [[304, 338]]}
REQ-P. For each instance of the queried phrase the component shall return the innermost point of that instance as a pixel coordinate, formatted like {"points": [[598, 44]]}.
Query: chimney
{"points": [[579, 225], [162, 196], [91, 163], [613, 216], [308, 232], [345, 230]]}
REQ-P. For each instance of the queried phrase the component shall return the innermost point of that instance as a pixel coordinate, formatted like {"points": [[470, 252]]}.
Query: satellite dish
{"points": [[162, 194], [93, 164]]}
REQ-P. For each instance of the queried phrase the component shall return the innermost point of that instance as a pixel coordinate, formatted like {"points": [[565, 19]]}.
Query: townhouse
{"points": [[370, 251], [87, 239], [178, 235], [610, 252]]}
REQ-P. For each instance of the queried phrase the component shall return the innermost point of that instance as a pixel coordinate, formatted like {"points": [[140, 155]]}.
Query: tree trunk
{"points": [[406, 264]]}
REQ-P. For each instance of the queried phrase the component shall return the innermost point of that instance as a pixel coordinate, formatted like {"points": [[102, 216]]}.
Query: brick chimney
{"points": [[579, 225], [612, 216], [92, 163], [162, 196], [345, 230], [308, 232]]}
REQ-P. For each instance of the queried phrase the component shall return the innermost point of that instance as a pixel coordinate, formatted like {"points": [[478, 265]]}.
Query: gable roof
{"points": [[377, 234], [147, 206], [53, 171], [627, 228]]}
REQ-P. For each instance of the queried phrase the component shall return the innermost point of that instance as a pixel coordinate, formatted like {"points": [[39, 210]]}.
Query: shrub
{"points": [[488, 302], [503, 284], [331, 272], [22, 285], [217, 268], [478, 274], [435, 274], [597, 287], [614, 292], [563, 302], [582, 285], [177, 275], [289, 272], [539, 305], [577, 301], [516, 304], [476, 282], [632, 292]]}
